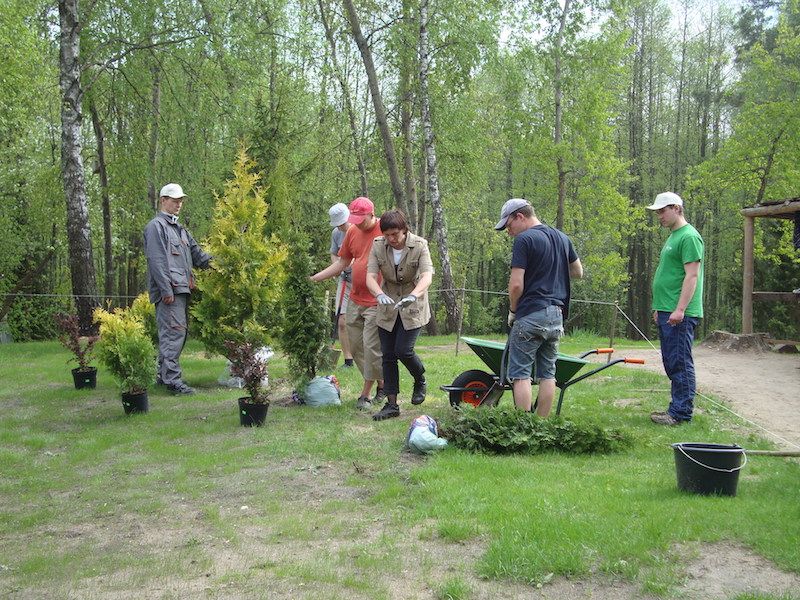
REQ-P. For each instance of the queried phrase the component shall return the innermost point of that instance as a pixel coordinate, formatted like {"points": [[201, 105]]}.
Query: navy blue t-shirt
{"points": [[545, 253]]}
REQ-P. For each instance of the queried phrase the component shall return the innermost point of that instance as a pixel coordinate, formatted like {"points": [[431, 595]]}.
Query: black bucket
{"points": [[708, 468]]}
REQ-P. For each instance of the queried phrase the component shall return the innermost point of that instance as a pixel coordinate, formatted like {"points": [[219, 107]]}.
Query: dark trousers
{"points": [[676, 353], [398, 344]]}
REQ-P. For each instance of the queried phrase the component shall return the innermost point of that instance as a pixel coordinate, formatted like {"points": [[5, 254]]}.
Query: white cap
{"points": [[339, 213], [510, 207], [666, 199], [172, 190]]}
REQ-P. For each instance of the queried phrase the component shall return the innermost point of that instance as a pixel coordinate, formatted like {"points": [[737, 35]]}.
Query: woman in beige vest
{"points": [[404, 262]]}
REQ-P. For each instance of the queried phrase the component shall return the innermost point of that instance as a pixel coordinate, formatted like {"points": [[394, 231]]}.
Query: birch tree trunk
{"points": [[81, 261], [562, 174], [439, 226], [380, 109]]}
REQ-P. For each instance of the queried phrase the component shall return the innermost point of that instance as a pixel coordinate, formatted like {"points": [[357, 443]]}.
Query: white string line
{"points": [[711, 400]]}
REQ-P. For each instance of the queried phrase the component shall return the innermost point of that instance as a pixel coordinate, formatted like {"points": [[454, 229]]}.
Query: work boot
{"points": [[389, 411], [660, 418], [180, 389], [420, 389], [363, 403], [380, 396]]}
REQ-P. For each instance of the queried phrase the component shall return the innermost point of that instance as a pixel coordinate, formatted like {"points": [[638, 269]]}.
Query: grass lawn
{"points": [[324, 503]]}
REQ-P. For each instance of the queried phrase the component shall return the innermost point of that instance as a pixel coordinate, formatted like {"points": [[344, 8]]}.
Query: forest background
{"points": [[443, 108]]}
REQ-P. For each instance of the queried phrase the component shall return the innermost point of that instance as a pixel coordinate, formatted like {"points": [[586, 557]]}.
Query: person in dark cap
{"points": [[542, 264], [171, 253]]}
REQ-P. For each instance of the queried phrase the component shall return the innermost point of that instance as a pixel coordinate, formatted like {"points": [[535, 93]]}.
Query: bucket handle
{"points": [[739, 468]]}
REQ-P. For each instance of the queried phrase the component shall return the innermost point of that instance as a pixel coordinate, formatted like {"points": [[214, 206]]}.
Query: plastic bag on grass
{"points": [[423, 436], [322, 391]]}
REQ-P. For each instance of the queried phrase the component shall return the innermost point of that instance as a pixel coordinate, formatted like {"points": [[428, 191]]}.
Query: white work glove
{"points": [[405, 301], [384, 299], [511, 318]]}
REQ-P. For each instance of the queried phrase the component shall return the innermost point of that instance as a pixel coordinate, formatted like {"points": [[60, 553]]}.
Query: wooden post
{"points": [[615, 310], [747, 279], [461, 316]]}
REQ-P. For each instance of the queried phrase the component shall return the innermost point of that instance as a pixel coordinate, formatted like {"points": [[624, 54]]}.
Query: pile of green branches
{"points": [[509, 431]]}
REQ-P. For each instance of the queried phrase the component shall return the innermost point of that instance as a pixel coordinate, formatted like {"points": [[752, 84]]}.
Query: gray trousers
{"points": [[172, 320]]}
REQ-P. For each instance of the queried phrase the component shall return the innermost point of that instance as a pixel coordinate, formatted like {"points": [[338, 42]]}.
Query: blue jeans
{"points": [[534, 341], [676, 353]]}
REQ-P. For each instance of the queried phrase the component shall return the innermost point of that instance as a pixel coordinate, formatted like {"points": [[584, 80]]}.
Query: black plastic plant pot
{"points": [[135, 403], [85, 378], [251, 414]]}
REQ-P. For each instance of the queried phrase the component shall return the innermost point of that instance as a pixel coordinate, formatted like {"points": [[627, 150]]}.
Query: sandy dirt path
{"points": [[763, 387]]}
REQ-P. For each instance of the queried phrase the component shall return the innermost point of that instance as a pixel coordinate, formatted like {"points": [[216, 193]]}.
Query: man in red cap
{"points": [[361, 309]]}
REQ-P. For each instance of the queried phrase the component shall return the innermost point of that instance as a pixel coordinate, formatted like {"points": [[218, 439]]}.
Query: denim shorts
{"points": [[534, 341]]}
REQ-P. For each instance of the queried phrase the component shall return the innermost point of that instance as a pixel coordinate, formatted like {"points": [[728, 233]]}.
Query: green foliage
{"points": [[32, 318], [509, 431], [145, 312], [305, 323], [241, 290], [125, 349]]}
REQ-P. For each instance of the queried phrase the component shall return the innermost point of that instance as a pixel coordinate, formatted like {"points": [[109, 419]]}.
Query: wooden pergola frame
{"points": [[780, 210]]}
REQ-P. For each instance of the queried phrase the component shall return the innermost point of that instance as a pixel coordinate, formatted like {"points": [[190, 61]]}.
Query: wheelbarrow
{"points": [[479, 388]]}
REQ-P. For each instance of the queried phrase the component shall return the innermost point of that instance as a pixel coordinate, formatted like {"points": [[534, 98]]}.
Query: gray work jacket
{"points": [[400, 280], [171, 253]]}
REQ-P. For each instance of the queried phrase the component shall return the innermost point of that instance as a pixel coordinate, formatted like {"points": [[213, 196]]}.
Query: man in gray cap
{"points": [[542, 263], [339, 213], [171, 253]]}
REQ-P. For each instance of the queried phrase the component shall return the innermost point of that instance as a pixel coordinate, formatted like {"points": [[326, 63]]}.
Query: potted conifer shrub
{"points": [[240, 294], [304, 334], [126, 351], [69, 334]]}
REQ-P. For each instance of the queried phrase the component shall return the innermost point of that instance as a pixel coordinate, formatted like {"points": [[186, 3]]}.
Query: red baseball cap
{"points": [[360, 209]]}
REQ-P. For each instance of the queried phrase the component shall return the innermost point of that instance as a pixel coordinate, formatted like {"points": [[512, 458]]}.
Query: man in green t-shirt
{"points": [[677, 305]]}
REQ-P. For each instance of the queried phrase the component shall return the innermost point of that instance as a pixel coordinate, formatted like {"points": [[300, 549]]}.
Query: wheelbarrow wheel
{"points": [[478, 382]]}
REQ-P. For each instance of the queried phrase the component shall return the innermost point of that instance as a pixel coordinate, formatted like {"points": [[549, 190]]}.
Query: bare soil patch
{"points": [[763, 387]]}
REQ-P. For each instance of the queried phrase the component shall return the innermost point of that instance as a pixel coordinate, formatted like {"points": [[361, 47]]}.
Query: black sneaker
{"points": [[420, 389], [180, 389], [363, 403], [388, 411], [380, 396]]}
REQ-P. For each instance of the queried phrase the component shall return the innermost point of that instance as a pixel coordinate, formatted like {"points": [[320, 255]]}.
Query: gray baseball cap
{"points": [[510, 207]]}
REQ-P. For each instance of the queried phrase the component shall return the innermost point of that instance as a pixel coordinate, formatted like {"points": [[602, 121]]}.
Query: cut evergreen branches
{"points": [[510, 431]]}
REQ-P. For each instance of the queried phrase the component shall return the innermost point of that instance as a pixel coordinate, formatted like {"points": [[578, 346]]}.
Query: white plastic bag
{"points": [[322, 391], [423, 436]]}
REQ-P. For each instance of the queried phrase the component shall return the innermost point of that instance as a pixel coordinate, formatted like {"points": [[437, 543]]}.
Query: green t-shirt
{"points": [[683, 246]]}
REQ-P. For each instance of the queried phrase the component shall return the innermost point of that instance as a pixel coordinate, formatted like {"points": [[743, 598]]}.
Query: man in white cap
{"points": [[542, 263], [677, 305], [339, 213], [171, 254]]}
